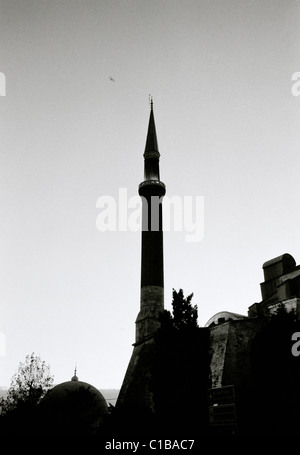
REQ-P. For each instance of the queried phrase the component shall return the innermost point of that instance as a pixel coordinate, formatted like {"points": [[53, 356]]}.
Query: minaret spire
{"points": [[151, 147], [152, 191], [136, 394], [151, 101]]}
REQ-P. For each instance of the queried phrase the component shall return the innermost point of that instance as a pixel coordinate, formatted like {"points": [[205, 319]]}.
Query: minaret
{"points": [[136, 395], [151, 191]]}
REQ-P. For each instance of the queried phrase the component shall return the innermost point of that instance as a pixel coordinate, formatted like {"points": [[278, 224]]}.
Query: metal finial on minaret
{"points": [[151, 101], [75, 377]]}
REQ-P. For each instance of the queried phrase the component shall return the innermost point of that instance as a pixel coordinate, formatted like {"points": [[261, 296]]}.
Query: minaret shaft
{"points": [[137, 395], [151, 191]]}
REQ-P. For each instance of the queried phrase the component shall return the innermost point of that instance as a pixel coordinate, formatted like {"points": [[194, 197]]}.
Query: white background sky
{"points": [[228, 129]]}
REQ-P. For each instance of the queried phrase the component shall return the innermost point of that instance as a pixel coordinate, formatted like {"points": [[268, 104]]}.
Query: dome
{"points": [[223, 316], [74, 407]]}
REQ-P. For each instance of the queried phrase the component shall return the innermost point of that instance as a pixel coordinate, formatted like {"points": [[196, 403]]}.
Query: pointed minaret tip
{"points": [[151, 102], [151, 142]]}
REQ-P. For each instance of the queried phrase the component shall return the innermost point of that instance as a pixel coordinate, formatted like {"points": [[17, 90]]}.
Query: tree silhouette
{"points": [[185, 315], [28, 385], [181, 370]]}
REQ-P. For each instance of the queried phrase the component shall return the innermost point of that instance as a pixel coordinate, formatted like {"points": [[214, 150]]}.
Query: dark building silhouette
{"points": [[282, 284], [254, 377], [73, 409]]}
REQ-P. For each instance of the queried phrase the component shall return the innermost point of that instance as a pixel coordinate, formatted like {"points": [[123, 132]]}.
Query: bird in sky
{"points": [[111, 79]]}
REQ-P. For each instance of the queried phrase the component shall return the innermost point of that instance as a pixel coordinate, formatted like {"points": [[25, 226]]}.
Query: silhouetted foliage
{"points": [[18, 412], [180, 373], [28, 385], [184, 314]]}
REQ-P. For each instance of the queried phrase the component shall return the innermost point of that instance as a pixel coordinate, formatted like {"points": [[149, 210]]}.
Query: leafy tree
{"points": [[181, 363], [28, 385], [185, 315]]}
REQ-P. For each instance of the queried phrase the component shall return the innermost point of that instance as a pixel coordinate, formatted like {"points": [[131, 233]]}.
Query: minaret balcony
{"points": [[151, 154], [152, 188]]}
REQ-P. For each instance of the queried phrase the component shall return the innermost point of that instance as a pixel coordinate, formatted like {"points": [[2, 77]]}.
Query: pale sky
{"points": [[228, 130]]}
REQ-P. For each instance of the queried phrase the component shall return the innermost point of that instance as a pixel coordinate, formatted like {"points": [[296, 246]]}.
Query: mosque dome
{"points": [[223, 316], [74, 407]]}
